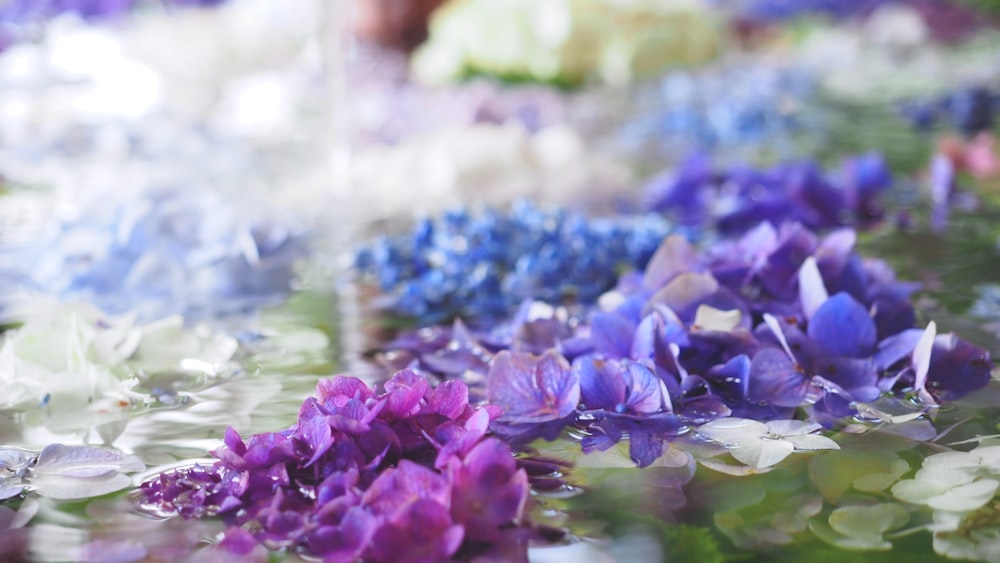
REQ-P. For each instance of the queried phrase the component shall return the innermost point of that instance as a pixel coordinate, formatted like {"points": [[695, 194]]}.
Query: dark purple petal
{"points": [[449, 399], [398, 487], [643, 389], [857, 376], [611, 335], [602, 383], [404, 393], [346, 541], [423, 533], [490, 491], [731, 380], [776, 380], [530, 390], [957, 368], [842, 327]]}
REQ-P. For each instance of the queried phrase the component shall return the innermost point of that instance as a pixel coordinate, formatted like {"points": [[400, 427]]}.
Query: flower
{"points": [[394, 476], [738, 199], [741, 106], [482, 267], [751, 328], [65, 472], [159, 252], [564, 42], [79, 367], [761, 445], [953, 481]]}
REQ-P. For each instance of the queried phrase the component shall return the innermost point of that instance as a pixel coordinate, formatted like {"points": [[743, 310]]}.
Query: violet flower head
{"points": [[737, 199], [397, 475]]}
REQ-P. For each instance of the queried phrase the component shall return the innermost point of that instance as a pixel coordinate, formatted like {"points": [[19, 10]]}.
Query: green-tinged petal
{"points": [[965, 497]]}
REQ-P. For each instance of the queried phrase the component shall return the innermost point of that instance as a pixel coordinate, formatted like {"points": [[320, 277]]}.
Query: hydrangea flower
{"points": [[565, 42], [970, 110], [159, 252], [733, 107], [482, 267], [400, 475], [65, 472], [735, 200], [79, 367], [755, 328]]}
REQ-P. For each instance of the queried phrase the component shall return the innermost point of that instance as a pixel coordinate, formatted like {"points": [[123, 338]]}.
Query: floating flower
{"points": [[482, 267], [752, 328], [953, 481], [65, 472], [564, 42], [395, 476], [157, 253], [79, 367], [740, 107], [735, 200], [761, 445]]}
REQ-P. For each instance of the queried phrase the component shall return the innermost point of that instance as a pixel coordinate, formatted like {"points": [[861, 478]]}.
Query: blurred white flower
{"points": [[565, 41]]}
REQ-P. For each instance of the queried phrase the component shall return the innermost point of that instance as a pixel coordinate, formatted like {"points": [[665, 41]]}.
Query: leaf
{"points": [[835, 473]]}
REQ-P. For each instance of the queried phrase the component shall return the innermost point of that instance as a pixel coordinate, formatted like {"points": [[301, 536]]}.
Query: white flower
{"points": [[72, 359], [565, 41], [761, 445], [954, 481]]}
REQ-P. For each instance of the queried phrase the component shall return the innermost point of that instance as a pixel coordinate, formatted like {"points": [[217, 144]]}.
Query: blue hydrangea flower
{"points": [[481, 267], [738, 107], [159, 252]]}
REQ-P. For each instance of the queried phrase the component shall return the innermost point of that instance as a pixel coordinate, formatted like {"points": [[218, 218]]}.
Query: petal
{"points": [[969, 496], [611, 334], [732, 430], [842, 327], [776, 380], [812, 292], [602, 383], [762, 452]]}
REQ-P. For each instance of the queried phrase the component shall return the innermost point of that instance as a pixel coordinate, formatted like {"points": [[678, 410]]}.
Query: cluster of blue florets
{"points": [[481, 266], [735, 106]]}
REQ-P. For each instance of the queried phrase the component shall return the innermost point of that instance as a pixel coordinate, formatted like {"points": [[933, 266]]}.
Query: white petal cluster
{"points": [[565, 41]]}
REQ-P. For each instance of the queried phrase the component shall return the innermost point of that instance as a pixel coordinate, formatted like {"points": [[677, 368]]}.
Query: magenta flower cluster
{"points": [[403, 475], [764, 326]]}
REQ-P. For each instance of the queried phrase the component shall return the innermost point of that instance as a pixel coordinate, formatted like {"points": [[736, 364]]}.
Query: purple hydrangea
{"points": [[734, 200], [764, 326], [403, 475]]}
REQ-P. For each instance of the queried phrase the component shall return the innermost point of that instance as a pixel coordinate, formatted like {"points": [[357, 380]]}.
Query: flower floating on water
{"points": [[481, 267], [732, 107], [65, 472], [160, 252], [737, 199], [754, 328], [403, 475], [65, 361], [565, 42], [761, 445]]}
